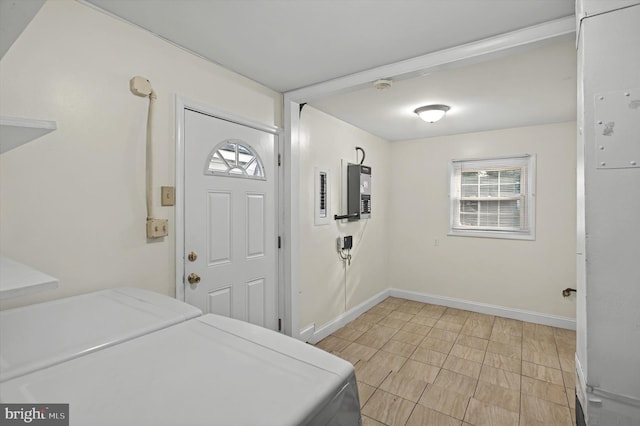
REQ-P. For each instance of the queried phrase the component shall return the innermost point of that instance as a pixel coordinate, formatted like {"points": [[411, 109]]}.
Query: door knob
{"points": [[193, 278], [192, 256]]}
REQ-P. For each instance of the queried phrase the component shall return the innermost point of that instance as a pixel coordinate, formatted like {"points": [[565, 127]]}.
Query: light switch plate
{"points": [[168, 196]]}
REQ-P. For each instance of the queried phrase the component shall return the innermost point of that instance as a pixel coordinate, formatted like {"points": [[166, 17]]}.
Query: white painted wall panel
{"points": [[220, 227], [256, 302], [220, 302], [255, 225], [593, 7], [609, 333]]}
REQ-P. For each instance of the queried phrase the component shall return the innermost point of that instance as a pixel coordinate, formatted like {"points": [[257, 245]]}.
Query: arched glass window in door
{"points": [[234, 158]]}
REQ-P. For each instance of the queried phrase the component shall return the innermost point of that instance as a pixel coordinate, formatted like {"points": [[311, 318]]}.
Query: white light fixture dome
{"points": [[432, 113]]}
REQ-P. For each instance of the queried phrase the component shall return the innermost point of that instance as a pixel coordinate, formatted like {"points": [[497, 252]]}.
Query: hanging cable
{"points": [[363, 154], [347, 257], [345, 279], [149, 156], [140, 86], [346, 261]]}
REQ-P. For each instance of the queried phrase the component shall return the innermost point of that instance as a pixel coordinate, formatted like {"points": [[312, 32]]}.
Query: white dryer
{"points": [[210, 370], [38, 336]]}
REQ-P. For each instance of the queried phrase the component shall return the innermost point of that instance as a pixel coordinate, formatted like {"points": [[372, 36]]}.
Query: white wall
{"points": [[608, 326], [324, 141], [72, 203], [516, 274]]}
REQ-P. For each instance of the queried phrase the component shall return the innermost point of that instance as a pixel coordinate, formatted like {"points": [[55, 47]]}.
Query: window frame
{"points": [[527, 190], [237, 164]]}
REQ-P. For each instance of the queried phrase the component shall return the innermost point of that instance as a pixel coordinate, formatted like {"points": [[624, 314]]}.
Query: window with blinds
{"points": [[493, 197]]}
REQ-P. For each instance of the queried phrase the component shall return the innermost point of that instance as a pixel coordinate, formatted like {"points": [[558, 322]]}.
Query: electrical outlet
{"points": [[345, 243], [168, 196], [157, 228]]}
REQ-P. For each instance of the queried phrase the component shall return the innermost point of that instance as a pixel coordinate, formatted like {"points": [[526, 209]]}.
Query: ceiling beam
{"points": [[489, 48]]}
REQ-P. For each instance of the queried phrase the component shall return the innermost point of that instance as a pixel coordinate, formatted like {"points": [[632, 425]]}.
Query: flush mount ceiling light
{"points": [[432, 113]]}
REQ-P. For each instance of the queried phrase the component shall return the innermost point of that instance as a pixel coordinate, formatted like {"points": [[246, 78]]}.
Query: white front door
{"points": [[230, 219]]}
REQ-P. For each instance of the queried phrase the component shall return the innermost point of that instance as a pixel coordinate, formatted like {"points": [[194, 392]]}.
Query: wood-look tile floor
{"points": [[422, 364]]}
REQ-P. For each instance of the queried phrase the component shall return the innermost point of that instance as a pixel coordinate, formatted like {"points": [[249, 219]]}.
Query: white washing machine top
{"points": [[37, 336], [210, 370]]}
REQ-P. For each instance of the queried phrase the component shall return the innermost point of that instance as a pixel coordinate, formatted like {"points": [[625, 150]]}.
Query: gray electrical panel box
{"points": [[358, 191]]}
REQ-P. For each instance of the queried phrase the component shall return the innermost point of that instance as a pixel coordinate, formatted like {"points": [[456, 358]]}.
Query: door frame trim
{"points": [[181, 104]]}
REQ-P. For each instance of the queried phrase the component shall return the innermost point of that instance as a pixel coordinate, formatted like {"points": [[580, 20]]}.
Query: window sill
{"points": [[493, 234]]}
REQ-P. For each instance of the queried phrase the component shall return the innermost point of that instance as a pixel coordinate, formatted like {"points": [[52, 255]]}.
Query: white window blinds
{"points": [[493, 197]]}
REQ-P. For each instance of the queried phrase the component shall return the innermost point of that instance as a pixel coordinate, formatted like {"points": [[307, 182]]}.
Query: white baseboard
{"points": [[307, 333], [346, 317], [483, 308], [311, 335]]}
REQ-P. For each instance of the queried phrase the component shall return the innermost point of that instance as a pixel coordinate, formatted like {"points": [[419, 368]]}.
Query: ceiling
{"points": [[291, 44], [523, 89]]}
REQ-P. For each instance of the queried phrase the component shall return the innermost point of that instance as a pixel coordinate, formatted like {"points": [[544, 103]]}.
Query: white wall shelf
{"points": [[14, 18], [15, 131], [17, 279]]}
